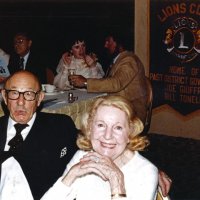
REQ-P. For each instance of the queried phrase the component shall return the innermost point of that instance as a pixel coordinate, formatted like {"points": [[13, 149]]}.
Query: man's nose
{"points": [[106, 44], [21, 100]]}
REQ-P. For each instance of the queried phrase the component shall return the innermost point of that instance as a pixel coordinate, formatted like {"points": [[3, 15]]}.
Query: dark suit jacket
{"points": [[47, 149], [35, 64]]}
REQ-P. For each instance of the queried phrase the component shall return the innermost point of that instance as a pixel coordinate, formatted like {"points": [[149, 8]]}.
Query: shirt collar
{"points": [[26, 58], [114, 60]]}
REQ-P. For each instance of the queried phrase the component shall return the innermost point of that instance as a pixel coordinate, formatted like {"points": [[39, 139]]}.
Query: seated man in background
{"points": [[84, 64], [33, 162], [24, 58], [125, 77]]}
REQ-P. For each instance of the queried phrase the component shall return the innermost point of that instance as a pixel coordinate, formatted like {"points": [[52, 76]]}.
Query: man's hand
{"points": [[164, 182], [78, 81]]}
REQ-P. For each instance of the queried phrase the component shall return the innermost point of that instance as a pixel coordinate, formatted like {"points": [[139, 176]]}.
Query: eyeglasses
{"points": [[28, 95], [20, 41]]}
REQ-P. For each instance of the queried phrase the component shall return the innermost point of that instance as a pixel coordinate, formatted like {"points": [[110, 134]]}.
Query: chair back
{"points": [[149, 102], [50, 76]]}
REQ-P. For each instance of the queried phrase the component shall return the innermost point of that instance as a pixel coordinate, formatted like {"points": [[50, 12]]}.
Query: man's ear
{"points": [[3, 93], [30, 43], [40, 98]]}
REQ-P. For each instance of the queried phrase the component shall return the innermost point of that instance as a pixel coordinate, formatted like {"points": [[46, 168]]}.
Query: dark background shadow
{"points": [[53, 22]]}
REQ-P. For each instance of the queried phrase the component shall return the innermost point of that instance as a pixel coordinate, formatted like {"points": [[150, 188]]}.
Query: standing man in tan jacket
{"points": [[125, 77]]}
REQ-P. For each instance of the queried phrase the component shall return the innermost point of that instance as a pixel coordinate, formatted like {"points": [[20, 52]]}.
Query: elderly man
{"points": [[38, 155]]}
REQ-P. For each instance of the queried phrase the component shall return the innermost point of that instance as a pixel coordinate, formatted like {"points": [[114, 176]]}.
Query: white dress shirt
{"points": [[13, 185], [25, 59]]}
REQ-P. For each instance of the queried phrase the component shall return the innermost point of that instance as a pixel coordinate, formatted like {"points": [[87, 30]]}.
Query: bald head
{"points": [[17, 90], [23, 76]]}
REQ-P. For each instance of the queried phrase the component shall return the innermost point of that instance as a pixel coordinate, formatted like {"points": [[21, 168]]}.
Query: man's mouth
{"points": [[20, 112]]}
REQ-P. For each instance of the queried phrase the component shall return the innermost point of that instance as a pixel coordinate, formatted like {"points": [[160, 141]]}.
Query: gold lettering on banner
{"points": [[178, 8], [170, 96], [177, 70], [189, 90], [194, 81], [195, 71], [180, 86], [194, 9], [190, 99], [176, 79], [156, 76], [170, 88], [174, 9]]}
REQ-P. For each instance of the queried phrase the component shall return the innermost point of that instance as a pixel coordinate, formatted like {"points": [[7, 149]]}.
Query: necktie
{"points": [[17, 140], [14, 143], [21, 63]]}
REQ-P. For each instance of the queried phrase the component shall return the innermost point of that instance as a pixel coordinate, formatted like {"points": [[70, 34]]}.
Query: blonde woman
{"points": [[108, 164]]}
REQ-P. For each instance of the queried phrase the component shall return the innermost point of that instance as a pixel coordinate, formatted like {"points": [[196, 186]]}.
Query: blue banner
{"points": [[175, 54]]}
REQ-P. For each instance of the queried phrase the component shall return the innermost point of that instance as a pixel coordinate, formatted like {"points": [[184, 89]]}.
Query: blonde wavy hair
{"points": [[136, 142]]}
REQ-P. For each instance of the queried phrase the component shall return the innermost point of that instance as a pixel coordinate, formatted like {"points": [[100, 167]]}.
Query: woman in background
{"points": [[77, 59]]}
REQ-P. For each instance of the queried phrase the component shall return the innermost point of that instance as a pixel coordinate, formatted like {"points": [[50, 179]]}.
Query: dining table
{"points": [[70, 102]]}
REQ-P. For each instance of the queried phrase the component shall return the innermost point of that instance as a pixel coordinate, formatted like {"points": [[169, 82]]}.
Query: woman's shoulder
{"points": [[75, 159], [79, 154], [142, 162]]}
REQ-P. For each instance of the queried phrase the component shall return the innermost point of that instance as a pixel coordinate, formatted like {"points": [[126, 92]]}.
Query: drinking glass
{"points": [[71, 72]]}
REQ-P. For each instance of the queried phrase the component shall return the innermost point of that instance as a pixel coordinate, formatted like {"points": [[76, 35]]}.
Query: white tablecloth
{"points": [[60, 104]]}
